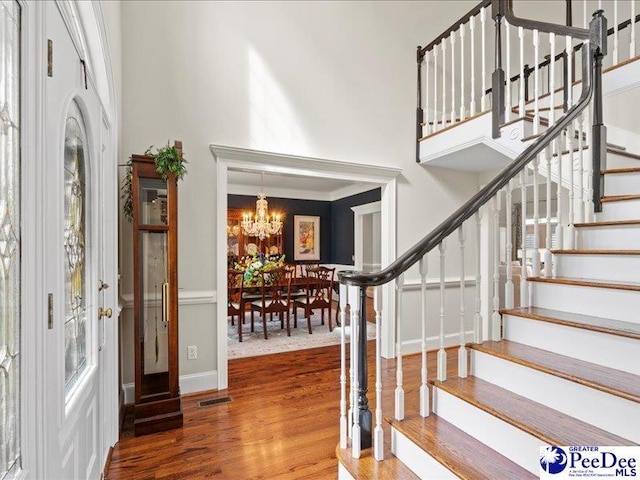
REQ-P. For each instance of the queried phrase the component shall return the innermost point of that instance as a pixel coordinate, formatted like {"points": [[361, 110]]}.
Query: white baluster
{"points": [[615, 31], [462, 106], [435, 88], [426, 88], [472, 29], [495, 317], [580, 210], [507, 107], [483, 96], [524, 302], [599, 4], [344, 429], [536, 83], [522, 95], [354, 297], [477, 318], [462, 351], [378, 434], [585, 24], [552, 80], [424, 389], [442, 354], [571, 232], [632, 38], [548, 231], [535, 253], [589, 213], [569, 49], [508, 287], [352, 368], [444, 83], [453, 78], [399, 406], [560, 199]]}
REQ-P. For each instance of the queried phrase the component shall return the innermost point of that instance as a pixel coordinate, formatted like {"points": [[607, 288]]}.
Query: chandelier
{"points": [[262, 226]]}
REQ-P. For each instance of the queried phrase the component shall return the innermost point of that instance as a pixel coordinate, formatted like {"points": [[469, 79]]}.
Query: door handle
{"points": [[105, 312]]}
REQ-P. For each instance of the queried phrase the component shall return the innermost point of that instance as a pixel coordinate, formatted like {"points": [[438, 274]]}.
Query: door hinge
{"points": [[50, 311], [50, 58]]}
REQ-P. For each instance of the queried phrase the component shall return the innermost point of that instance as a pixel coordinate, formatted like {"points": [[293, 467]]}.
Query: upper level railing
{"points": [[554, 145]]}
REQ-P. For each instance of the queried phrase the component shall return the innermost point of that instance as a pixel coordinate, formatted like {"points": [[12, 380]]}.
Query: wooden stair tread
{"points": [[595, 252], [584, 282], [587, 322], [612, 171], [367, 467], [620, 198], [542, 422], [459, 452], [608, 380], [607, 223]]}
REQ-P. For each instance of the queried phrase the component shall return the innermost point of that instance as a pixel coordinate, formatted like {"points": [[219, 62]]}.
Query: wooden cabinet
{"points": [[155, 246], [240, 245]]}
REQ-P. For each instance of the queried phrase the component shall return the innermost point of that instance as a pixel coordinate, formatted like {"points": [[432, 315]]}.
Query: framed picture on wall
{"points": [[306, 237]]}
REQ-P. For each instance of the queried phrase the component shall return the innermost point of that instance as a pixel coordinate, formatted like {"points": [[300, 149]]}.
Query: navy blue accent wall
{"points": [[336, 221], [342, 242]]}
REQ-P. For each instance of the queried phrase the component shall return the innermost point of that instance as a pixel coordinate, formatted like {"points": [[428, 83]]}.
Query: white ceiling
{"points": [[247, 182]]}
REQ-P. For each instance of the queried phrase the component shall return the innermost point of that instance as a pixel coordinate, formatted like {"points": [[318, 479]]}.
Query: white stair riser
{"points": [[615, 160], [598, 302], [418, 461], [624, 268], [622, 210], [343, 473], [622, 183], [571, 398], [611, 351], [610, 237], [515, 444]]}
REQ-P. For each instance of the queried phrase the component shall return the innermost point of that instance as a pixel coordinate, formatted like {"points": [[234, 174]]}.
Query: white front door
{"points": [[76, 414]]}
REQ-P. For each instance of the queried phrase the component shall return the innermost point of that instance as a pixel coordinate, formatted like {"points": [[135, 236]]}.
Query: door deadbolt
{"points": [[105, 312]]}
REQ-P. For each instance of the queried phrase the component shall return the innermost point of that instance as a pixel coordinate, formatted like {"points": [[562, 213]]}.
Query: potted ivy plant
{"points": [[168, 160]]}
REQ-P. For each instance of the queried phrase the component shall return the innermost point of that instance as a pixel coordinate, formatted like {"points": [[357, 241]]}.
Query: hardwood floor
{"points": [[282, 422]]}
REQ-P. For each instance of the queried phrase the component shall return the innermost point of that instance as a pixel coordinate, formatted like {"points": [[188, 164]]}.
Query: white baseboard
{"points": [[433, 343], [192, 383]]}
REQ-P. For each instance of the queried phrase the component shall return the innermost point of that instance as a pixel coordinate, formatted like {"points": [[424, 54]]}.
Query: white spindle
{"points": [[615, 31], [472, 29], [453, 78], [508, 287], [560, 198], [579, 216], [552, 80], [599, 4], [522, 95], [584, 14], [352, 370], [523, 246], [535, 253], [477, 318], [343, 367], [378, 434], [354, 298], [444, 83], [462, 106], [548, 237], [536, 82], [426, 95], [399, 406], [571, 232], [569, 50], [483, 96], [424, 389], [435, 88], [442, 354], [632, 38], [507, 107], [462, 351], [495, 317], [589, 212]]}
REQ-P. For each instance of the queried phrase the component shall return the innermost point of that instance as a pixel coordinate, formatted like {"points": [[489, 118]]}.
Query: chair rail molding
{"points": [[234, 158]]}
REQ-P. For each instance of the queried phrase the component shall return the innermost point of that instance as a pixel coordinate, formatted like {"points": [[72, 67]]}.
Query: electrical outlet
{"points": [[192, 352]]}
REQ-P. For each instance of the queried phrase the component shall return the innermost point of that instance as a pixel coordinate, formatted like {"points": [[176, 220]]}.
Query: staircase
{"points": [[561, 369]]}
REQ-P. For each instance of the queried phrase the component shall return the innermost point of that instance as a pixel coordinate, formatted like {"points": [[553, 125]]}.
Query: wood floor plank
{"points": [[598, 324], [609, 380], [462, 454], [548, 425]]}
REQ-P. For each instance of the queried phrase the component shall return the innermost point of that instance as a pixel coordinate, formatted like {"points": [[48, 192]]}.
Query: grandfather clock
{"points": [[155, 255]]}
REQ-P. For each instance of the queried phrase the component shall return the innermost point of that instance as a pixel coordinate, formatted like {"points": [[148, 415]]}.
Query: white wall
{"points": [[332, 80]]}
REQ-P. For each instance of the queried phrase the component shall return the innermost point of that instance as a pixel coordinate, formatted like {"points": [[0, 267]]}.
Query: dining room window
{"points": [[10, 267]]}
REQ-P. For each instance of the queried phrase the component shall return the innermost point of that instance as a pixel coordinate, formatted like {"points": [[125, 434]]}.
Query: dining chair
{"points": [[275, 289], [319, 295], [235, 298]]}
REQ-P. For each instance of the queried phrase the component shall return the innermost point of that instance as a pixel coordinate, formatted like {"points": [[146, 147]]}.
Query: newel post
{"points": [[419, 111], [598, 36], [366, 420], [497, 79]]}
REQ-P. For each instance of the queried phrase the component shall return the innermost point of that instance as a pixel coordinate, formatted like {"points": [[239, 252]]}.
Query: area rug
{"points": [[254, 344]]}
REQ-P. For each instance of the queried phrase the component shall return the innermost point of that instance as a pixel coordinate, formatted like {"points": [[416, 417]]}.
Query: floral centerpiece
{"points": [[253, 266]]}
